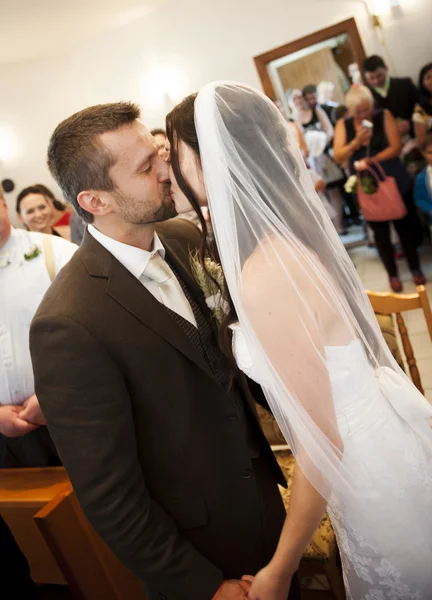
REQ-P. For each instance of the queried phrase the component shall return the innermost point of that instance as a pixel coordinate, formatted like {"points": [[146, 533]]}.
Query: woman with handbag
{"points": [[370, 142]]}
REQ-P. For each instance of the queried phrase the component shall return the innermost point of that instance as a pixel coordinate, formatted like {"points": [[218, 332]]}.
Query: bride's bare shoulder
{"points": [[275, 266]]}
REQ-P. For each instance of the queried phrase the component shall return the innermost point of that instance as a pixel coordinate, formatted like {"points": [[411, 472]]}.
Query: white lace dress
{"points": [[394, 473]]}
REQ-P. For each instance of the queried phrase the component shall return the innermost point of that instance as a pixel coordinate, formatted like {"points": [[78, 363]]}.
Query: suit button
{"points": [[247, 474], [233, 419]]}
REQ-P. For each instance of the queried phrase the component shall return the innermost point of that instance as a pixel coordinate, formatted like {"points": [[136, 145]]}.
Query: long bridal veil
{"points": [[284, 262]]}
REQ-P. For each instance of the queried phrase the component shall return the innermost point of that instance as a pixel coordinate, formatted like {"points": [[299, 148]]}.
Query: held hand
{"points": [[233, 590], [11, 424], [32, 411], [267, 585], [360, 165]]}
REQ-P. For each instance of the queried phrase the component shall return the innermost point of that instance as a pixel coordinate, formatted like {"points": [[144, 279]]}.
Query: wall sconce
{"points": [[162, 86], [8, 144]]}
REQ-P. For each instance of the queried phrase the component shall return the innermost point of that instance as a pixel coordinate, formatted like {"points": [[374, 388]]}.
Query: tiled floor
{"points": [[374, 277]]}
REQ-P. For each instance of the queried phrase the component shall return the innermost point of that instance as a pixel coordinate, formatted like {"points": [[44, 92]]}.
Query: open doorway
{"points": [[330, 57]]}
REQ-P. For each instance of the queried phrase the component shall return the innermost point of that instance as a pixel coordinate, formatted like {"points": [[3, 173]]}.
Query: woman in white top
{"points": [[28, 262]]}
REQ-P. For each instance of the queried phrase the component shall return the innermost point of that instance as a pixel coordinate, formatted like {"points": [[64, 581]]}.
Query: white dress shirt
{"points": [[23, 284], [135, 260]]}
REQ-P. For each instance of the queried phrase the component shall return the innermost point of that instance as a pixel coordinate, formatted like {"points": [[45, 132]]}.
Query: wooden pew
{"points": [[90, 568], [62, 548], [22, 493]]}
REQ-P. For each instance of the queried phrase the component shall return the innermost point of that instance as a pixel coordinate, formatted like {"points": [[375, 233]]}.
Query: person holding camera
{"points": [[362, 140]]}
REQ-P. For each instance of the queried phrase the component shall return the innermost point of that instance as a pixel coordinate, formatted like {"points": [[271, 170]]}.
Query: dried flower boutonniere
{"points": [[211, 287]]}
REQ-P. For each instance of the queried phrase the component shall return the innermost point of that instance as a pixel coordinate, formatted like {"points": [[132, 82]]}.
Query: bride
{"points": [[303, 328]]}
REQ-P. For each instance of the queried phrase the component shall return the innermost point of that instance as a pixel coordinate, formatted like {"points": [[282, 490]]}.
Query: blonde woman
{"points": [[355, 143]]}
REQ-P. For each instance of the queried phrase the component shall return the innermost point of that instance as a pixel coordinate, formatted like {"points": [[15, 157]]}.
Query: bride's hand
{"points": [[267, 585]]}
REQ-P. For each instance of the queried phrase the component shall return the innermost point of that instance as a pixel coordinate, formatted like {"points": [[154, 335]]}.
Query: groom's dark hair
{"points": [[77, 158]]}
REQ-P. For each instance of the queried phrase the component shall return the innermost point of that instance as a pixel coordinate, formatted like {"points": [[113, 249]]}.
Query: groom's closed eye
{"points": [[147, 162]]}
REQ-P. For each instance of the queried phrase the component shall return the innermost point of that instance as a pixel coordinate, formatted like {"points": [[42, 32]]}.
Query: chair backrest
{"points": [[89, 567], [387, 303]]}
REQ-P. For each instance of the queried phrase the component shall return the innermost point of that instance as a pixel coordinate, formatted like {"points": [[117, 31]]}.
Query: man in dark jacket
{"points": [[398, 94], [163, 448]]}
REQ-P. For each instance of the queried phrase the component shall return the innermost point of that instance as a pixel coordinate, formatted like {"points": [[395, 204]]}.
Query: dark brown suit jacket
{"points": [[148, 437]]}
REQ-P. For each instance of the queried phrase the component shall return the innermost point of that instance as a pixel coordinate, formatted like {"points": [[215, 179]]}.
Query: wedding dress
{"points": [[358, 427], [393, 471]]}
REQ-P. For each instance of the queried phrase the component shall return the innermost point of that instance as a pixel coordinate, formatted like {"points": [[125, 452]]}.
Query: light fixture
{"points": [[163, 85], [8, 144]]}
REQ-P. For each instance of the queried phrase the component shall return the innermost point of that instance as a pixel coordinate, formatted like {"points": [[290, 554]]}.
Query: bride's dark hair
{"points": [[180, 127]]}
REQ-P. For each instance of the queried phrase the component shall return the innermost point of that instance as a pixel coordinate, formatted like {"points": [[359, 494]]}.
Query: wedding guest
{"points": [[320, 188], [295, 129], [324, 95], [298, 134], [356, 143], [61, 212], [423, 185], [422, 116], [36, 211], [318, 134], [399, 95], [28, 263], [310, 95], [341, 112], [161, 142]]}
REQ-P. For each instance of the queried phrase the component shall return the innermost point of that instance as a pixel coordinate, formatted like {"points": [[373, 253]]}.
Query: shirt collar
{"points": [[383, 91], [135, 260]]}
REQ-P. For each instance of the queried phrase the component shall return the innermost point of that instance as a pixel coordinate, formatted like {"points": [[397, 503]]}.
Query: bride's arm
{"points": [[285, 308]]}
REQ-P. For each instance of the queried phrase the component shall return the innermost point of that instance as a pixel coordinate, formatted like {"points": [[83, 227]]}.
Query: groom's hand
{"points": [[233, 590]]}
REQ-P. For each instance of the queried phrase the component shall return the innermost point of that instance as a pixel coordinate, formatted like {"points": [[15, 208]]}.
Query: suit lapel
{"points": [[180, 260], [125, 289]]}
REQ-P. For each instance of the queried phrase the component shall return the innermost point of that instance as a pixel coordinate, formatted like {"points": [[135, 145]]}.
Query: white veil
{"points": [[295, 290]]}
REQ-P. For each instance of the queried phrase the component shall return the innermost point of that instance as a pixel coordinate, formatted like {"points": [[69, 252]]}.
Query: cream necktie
{"points": [[170, 290]]}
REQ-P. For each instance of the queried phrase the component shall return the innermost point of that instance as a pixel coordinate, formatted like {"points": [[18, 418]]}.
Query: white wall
{"points": [[200, 40]]}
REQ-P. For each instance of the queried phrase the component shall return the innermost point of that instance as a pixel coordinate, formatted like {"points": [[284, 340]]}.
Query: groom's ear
{"points": [[95, 202]]}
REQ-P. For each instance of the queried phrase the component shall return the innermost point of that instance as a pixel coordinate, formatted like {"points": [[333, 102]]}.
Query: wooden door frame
{"points": [[349, 26]]}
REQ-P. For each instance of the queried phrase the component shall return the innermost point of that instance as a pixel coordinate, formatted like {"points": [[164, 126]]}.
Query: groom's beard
{"points": [[167, 209], [139, 212], [165, 213]]}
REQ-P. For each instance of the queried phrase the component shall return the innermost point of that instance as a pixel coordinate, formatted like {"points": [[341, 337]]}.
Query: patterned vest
{"points": [[204, 339]]}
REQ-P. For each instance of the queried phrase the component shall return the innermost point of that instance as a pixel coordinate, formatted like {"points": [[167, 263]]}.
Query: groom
{"points": [[171, 468]]}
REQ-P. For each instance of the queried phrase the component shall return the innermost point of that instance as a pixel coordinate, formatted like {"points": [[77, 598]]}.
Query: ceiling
{"points": [[34, 28]]}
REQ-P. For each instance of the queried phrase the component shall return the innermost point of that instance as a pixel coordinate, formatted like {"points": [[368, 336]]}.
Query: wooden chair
{"points": [[22, 493], [387, 303], [89, 567]]}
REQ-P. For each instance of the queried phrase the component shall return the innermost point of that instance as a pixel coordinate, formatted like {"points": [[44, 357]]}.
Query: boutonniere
{"points": [[32, 253], [211, 287]]}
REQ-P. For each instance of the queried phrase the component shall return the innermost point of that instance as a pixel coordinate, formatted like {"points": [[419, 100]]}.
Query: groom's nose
{"points": [[162, 170]]}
